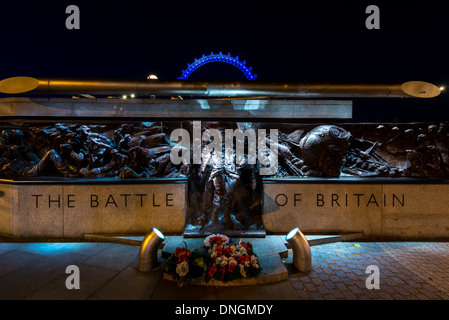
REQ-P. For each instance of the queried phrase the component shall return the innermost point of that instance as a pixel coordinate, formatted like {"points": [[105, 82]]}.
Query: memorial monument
{"points": [[72, 166]]}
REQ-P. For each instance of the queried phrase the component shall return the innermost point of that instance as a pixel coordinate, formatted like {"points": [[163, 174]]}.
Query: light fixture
{"points": [[302, 257], [124, 96], [152, 77], [442, 88], [133, 95], [148, 250]]}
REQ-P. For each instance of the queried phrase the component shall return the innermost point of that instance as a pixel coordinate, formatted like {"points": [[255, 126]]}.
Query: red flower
{"points": [[183, 254], [227, 252], [217, 240], [221, 272], [243, 258], [248, 250], [211, 271], [231, 267]]}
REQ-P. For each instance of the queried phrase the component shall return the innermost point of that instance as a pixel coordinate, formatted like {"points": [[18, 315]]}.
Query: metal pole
{"points": [[19, 85]]}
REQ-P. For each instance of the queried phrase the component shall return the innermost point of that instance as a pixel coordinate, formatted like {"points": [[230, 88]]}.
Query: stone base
{"points": [[273, 270], [380, 208], [270, 252], [69, 208], [236, 230], [198, 233]]}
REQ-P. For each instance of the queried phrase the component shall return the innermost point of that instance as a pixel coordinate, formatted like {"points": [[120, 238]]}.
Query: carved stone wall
{"points": [[220, 194]]}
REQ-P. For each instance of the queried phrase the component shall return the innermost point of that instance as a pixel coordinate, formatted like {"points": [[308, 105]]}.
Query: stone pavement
{"points": [[407, 270]]}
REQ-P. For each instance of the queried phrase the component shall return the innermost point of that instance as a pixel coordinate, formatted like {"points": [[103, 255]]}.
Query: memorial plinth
{"points": [[380, 208]]}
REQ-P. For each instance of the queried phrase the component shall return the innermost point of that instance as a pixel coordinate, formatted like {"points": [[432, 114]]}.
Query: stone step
{"points": [[270, 245], [271, 251], [136, 239], [133, 239]]}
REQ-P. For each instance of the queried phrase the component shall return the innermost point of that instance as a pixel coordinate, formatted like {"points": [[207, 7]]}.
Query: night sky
{"points": [[281, 40]]}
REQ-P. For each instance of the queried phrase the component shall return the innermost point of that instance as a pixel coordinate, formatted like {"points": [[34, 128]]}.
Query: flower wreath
{"points": [[184, 265], [226, 261], [218, 259]]}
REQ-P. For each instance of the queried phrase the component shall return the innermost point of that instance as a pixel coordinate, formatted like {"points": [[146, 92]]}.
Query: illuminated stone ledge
{"points": [[170, 109], [394, 208], [69, 208]]}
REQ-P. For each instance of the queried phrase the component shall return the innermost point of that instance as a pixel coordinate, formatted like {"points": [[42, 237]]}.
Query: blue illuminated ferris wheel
{"points": [[220, 57]]}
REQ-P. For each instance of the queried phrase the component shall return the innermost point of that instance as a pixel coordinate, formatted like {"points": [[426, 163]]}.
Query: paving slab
{"points": [[13, 260], [116, 257], [91, 278], [130, 284], [26, 280]]}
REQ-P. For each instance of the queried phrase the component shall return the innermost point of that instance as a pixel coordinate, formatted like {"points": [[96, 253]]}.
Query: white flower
{"points": [[253, 259], [255, 265], [247, 263], [242, 270], [182, 268], [218, 260], [224, 261]]}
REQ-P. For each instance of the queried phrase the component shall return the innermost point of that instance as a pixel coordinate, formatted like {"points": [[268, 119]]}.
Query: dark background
{"points": [[281, 40]]}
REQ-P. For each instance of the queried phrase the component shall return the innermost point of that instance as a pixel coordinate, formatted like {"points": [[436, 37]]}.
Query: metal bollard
{"points": [[302, 257], [148, 250]]}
